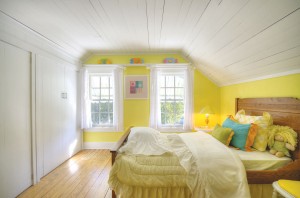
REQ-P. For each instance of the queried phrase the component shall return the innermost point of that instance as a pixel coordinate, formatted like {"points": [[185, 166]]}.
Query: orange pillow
{"points": [[251, 136]]}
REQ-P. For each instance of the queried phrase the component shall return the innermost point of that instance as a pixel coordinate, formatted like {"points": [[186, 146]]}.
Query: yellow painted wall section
{"points": [[285, 86], [205, 93], [137, 111]]}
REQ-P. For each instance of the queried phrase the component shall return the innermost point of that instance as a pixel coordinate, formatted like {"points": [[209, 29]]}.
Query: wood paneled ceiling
{"points": [[230, 41]]}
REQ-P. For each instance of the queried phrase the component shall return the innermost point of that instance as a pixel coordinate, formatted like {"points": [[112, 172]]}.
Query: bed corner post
{"points": [[115, 150]]}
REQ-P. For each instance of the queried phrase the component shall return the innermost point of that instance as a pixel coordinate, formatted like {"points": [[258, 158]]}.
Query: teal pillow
{"points": [[240, 136]]}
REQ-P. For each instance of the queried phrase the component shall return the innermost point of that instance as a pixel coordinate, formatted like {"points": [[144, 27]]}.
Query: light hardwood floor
{"points": [[83, 175]]}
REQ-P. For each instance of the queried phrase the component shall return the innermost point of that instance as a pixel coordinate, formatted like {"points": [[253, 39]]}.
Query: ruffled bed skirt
{"points": [[256, 191], [261, 190], [168, 192]]}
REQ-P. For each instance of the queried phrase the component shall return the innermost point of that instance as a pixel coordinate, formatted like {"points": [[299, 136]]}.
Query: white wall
{"points": [[51, 121]]}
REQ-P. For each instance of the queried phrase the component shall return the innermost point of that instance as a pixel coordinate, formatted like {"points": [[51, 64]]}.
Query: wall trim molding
{"points": [[296, 71], [21, 36], [99, 145]]}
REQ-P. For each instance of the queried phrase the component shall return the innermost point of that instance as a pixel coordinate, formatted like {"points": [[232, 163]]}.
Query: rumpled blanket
{"points": [[193, 165]]}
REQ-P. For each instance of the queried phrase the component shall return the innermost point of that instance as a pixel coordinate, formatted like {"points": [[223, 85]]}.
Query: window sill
{"points": [[173, 130], [101, 129]]}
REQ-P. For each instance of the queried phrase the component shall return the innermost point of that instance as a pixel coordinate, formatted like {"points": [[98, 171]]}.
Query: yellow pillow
{"points": [[261, 139], [222, 134]]}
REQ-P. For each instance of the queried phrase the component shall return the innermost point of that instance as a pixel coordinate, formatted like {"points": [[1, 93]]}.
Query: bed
{"points": [[284, 111]]}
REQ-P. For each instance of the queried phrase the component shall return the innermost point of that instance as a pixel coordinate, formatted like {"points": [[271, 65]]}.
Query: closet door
{"points": [[15, 121], [50, 85], [72, 139]]}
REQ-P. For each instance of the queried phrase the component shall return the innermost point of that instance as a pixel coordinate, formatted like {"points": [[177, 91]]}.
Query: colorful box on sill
{"points": [[170, 60], [136, 61], [104, 61]]}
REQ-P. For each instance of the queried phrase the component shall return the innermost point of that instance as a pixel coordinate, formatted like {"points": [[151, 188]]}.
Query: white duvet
{"points": [[212, 169]]}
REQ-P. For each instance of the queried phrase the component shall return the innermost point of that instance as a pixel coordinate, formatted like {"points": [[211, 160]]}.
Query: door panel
{"points": [[15, 121]]}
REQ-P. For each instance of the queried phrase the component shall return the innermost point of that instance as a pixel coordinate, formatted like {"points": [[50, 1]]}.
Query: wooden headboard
{"points": [[285, 111]]}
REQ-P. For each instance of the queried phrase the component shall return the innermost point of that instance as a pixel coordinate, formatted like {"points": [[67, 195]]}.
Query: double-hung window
{"points": [[102, 98], [171, 88], [171, 97]]}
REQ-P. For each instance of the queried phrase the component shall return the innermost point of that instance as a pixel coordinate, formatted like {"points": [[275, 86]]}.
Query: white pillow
{"points": [[145, 141], [134, 130]]}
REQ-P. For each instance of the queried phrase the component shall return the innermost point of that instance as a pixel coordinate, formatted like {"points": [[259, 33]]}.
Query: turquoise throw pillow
{"points": [[241, 131]]}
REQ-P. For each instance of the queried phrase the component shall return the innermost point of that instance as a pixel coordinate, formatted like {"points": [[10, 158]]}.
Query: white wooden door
{"points": [[15, 121], [72, 139], [50, 85]]}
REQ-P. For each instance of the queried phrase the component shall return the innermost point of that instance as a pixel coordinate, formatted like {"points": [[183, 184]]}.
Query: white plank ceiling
{"points": [[230, 41]]}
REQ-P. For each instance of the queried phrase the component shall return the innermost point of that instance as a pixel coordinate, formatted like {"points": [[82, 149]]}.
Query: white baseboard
{"points": [[99, 145]]}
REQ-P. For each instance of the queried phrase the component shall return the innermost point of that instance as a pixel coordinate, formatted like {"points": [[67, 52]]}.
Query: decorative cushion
{"points": [[244, 134], [261, 139], [263, 121], [222, 134]]}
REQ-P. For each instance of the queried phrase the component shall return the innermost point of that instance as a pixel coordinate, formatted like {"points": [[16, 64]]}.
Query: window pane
{"points": [[110, 106], [104, 93], [95, 81], [111, 81], [163, 107], [95, 118], [162, 81], [95, 106], [170, 93], [111, 118], [103, 118], [179, 81], [169, 81], [162, 91], [104, 81], [163, 119], [168, 112], [179, 93], [103, 106], [95, 93]]}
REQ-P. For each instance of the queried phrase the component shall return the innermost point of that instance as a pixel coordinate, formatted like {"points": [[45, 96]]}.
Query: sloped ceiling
{"points": [[230, 41]]}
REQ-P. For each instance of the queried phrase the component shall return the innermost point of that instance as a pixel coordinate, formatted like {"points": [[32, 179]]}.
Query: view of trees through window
{"points": [[101, 95], [172, 100]]}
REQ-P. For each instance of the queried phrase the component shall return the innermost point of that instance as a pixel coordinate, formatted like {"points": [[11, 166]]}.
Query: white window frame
{"points": [[109, 75], [155, 111], [170, 126], [116, 72]]}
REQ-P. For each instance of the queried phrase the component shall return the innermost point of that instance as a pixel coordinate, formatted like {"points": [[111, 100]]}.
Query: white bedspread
{"points": [[214, 170]]}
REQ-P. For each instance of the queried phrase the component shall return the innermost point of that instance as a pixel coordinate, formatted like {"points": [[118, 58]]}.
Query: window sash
{"points": [[101, 96], [171, 98]]}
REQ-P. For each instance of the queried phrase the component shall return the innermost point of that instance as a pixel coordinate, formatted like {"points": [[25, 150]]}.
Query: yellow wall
{"points": [[285, 86], [136, 112]]}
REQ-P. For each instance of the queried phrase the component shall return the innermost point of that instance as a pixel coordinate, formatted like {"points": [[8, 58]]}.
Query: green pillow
{"points": [[222, 134]]}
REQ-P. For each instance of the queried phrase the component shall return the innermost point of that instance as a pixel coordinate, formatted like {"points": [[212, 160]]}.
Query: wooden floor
{"points": [[83, 175]]}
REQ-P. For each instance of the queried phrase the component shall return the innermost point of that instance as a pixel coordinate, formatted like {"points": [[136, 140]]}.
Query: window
{"points": [[172, 100], [101, 96], [171, 97]]}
